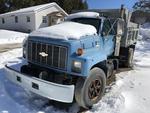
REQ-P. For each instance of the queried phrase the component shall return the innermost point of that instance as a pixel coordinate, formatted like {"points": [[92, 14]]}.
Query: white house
{"points": [[32, 18]]}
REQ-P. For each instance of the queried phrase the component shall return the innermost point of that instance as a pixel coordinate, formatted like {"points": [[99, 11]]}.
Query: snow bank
{"points": [[65, 31], [111, 103], [145, 31], [10, 37], [146, 26], [83, 14]]}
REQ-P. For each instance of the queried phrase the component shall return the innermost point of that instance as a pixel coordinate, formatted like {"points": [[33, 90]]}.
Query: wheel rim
{"points": [[94, 89]]}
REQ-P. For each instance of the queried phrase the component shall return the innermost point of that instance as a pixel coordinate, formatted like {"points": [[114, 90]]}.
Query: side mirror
{"points": [[103, 33]]}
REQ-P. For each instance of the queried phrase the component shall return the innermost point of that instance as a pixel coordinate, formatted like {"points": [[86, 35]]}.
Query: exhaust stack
{"points": [[122, 11]]}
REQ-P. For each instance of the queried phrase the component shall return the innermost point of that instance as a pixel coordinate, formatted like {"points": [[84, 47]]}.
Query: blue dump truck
{"points": [[73, 59]]}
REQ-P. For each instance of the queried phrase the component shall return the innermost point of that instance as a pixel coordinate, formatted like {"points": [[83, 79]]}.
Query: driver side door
{"points": [[108, 37]]}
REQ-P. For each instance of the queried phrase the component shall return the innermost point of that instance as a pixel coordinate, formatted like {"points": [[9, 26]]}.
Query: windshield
{"points": [[91, 21]]}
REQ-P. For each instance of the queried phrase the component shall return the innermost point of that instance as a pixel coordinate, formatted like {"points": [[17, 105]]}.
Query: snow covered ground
{"points": [[128, 94], [11, 37]]}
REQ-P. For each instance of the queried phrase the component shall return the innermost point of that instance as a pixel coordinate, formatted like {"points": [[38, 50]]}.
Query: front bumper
{"points": [[58, 92]]}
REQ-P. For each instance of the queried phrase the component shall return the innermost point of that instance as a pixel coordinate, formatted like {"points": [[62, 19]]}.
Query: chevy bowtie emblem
{"points": [[43, 54]]}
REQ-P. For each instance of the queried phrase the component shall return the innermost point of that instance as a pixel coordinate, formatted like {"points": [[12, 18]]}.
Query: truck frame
{"points": [[62, 70]]}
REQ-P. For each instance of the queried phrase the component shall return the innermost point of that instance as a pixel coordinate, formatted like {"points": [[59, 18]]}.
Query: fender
{"points": [[89, 59]]}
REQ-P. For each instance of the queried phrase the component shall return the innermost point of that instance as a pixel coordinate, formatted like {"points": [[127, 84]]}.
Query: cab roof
{"points": [[83, 15]]}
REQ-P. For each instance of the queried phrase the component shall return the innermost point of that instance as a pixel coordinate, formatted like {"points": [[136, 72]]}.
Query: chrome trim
{"points": [[52, 55], [62, 50], [46, 52], [59, 58]]}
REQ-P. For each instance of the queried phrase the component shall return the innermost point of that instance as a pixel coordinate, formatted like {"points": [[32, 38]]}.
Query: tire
{"points": [[86, 93], [129, 62]]}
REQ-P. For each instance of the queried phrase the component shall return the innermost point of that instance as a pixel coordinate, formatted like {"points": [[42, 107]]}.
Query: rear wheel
{"points": [[90, 90]]}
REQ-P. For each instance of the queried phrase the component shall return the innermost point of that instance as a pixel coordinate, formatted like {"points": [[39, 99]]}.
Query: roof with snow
{"points": [[35, 9], [66, 31], [83, 14]]}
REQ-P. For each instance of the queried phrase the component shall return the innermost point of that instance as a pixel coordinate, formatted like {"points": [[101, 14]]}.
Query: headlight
{"points": [[24, 47], [76, 66]]}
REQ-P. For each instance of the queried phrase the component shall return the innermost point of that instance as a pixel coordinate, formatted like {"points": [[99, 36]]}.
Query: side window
{"points": [[113, 27], [16, 19], [109, 27], [28, 19], [106, 27], [44, 19], [3, 20]]}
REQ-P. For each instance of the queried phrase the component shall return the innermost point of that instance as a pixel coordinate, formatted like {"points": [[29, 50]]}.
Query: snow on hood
{"points": [[65, 31]]}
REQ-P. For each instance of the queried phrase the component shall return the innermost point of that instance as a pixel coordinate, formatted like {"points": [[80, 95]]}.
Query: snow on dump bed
{"points": [[83, 14], [65, 31], [10, 37]]}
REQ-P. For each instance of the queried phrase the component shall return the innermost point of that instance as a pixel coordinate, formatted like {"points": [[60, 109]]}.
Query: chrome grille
{"points": [[56, 56]]}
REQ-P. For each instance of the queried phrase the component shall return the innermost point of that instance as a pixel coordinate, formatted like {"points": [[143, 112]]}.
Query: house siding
{"points": [[39, 16], [36, 18], [21, 25]]}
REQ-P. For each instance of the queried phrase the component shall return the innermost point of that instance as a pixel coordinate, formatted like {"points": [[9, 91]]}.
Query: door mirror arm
{"points": [[103, 34]]}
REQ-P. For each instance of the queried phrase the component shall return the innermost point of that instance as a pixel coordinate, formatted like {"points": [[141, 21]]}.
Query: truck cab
{"points": [[73, 59], [104, 36]]}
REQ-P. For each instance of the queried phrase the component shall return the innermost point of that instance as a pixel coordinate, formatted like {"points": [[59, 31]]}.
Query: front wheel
{"points": [[90, 90]]}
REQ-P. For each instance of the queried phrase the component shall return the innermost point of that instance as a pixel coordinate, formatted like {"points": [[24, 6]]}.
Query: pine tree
{"points": [[67, 5], [142, 5], [70, 5], [3, 6]]}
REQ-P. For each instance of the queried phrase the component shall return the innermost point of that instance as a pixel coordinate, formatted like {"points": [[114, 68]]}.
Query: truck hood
{"points": [[65, 31]]}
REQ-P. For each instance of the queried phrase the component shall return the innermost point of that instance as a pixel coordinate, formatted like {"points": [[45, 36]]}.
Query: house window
{"points": [[16, 19], [3, 20], [44, 19], [28, 19]]}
